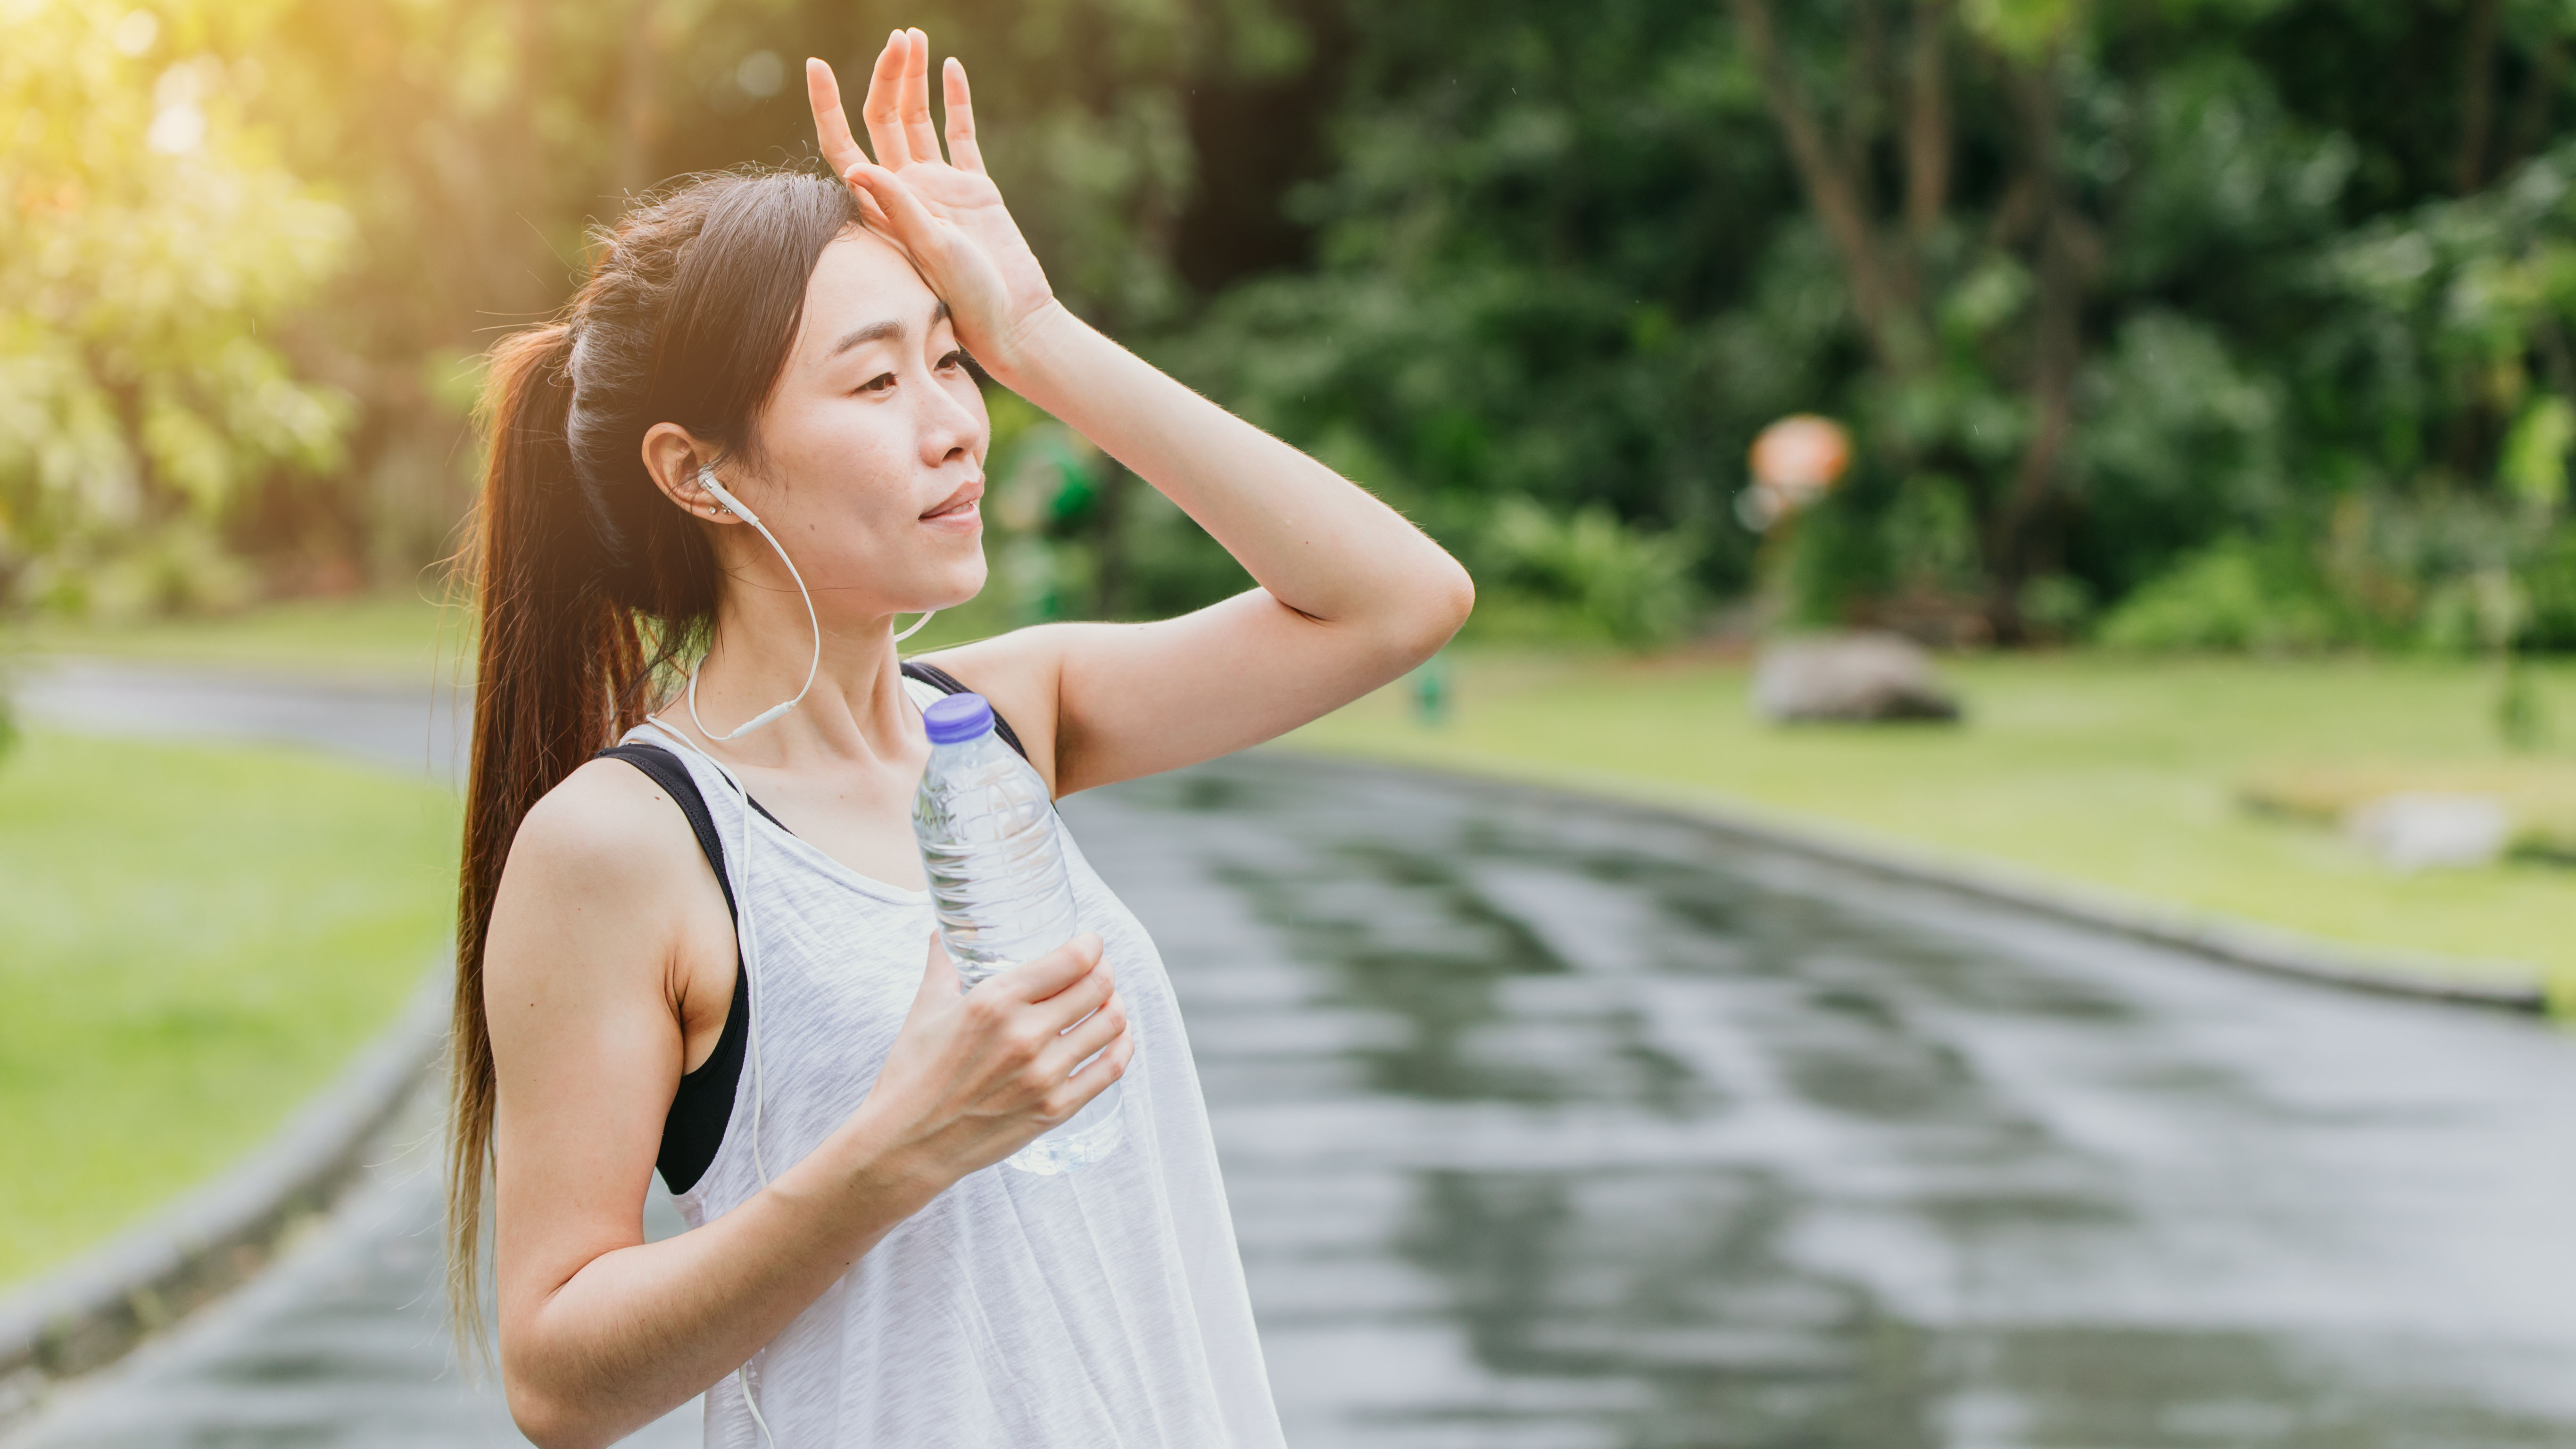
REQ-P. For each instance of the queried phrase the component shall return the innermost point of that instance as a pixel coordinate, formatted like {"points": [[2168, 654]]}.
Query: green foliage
{"points": [[1633, 587], [2185, 271], [1566, 254], [1534, 215], [149, 233], [2233, 595]]}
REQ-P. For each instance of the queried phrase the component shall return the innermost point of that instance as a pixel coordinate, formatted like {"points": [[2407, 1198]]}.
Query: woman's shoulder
{"points": [[1021, 673], [606, 826]]}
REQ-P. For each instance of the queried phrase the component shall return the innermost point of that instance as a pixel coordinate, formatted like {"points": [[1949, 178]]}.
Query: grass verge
{"points": [[395, 637], [2113, 773], [391, 636], [198, 938]]}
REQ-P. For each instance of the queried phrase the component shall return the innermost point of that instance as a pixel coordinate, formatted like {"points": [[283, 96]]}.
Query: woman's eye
{"points": [[954, 359], [878, 383]]}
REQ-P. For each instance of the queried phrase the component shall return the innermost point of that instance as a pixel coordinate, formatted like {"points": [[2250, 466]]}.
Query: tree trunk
{"points": [[1836, 197], [2539, 101], [1927, 121], [2066, 261], [2477, 93]]}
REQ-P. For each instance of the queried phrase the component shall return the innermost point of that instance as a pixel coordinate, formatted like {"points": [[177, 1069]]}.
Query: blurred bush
{"points": [[2239, 322], [2100, 289], [2232, 595], [149, 233], [1629, 586]]}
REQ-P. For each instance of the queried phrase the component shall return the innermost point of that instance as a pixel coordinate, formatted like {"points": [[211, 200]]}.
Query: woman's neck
{"points": [[762, 648]]}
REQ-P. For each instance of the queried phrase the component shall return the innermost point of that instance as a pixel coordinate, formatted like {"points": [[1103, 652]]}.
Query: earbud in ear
{"points": [[724, 500]]}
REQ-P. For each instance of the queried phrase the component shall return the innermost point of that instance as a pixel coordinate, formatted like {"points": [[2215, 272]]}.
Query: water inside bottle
{"points": [[989, 845]]}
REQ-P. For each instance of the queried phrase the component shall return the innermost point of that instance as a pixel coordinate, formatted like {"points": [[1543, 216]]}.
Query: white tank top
{"points": [[1104, 1307]]}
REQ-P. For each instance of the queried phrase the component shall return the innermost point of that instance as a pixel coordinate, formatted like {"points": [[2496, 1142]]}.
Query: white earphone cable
{"points": [[741, 864]]}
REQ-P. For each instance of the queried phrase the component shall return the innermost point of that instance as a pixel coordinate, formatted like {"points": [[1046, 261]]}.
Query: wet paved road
{"points": [[1562, 1126]]}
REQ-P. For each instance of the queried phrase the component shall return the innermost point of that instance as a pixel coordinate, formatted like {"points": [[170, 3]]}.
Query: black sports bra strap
{"points": [[664, 769], [694, 1127], [947, 683]]}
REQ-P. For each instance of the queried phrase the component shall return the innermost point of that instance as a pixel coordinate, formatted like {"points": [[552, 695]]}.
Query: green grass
{"points": [[2120, 774], [395, 636], [387, 636], [197, 939]]}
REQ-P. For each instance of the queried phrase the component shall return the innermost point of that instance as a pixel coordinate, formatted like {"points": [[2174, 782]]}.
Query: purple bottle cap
{"points": [[958, 718]]}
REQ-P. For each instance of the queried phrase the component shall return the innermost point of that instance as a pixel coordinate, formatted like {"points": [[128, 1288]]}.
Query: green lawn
{"points": [[197, 939], [391, 636], [402, 637], [2115, 773]]}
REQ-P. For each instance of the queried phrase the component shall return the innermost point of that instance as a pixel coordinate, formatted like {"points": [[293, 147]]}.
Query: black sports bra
{"points": [[695, 1125]]}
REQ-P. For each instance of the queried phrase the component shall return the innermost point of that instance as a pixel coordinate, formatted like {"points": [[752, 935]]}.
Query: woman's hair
{"points": [[587, 577]]}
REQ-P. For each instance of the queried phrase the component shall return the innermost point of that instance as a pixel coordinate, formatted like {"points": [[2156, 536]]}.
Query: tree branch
{"points": [[2069, 253], [2477, 93], [1831, 190], [1927, 120]]}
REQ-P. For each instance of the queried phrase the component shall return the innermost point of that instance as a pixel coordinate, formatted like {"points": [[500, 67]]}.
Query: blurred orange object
{"points": [[1801, 453], [1795, 460]]}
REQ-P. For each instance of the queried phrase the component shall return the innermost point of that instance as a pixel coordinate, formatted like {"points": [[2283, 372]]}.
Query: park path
{"points": [[1561, 1125]]}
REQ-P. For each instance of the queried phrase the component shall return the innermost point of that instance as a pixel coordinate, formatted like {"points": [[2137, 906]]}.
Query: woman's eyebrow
{"points": [[879, 331], [873, 332]]}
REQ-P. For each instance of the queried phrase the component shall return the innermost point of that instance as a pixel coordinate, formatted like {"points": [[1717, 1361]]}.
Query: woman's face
{"points": [[870, 462]]}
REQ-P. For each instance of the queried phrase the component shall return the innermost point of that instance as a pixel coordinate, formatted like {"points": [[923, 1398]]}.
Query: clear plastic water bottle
{"points": [[997, 881]]}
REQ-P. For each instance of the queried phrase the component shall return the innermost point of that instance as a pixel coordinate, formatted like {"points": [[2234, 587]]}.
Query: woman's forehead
{"points": [[862, 285]]}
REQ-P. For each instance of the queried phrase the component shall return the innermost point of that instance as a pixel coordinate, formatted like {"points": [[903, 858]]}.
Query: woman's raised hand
{"points": [[946, 214], [973, 1078]]}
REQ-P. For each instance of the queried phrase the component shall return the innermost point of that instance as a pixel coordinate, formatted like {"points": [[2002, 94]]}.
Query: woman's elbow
{"points": [[1449, 598], [1442, 599], [551, 1421]]}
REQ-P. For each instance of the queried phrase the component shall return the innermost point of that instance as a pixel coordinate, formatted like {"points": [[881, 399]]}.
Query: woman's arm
{"points": [[600, 907], [1351, 594]]}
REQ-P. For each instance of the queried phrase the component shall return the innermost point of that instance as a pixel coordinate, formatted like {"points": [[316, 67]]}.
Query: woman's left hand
{"points": [[946, 214]]}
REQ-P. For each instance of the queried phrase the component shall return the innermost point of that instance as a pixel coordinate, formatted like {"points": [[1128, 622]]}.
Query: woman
{"points": [[759, 404]]}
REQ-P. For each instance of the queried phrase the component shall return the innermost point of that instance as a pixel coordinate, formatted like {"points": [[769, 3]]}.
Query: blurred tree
{"points": [[463, 149], [2107, 291], [2070, 269], [148, 233]]}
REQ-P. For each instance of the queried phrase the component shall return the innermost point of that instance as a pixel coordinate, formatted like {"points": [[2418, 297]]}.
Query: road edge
{"points": [[93, 1310], [2231, 942]]}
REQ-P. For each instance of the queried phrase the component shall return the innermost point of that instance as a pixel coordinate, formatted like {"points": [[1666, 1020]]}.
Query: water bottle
{"points": [[997, 881]]}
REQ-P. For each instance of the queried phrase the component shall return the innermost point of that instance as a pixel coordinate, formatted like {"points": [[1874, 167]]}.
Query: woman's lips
{"points": [[958, 506]]}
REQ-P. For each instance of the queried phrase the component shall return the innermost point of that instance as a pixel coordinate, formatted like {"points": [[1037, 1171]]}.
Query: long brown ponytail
{"points": [[587, 579]]}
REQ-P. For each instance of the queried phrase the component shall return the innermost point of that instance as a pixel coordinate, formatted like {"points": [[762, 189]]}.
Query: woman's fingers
{"points": [[920, 137], [883, 109], [1049, 975], [1092, 1034], [904, 219], [1091, 1079], [961, 118], [1079, 1000], [831, 123]]}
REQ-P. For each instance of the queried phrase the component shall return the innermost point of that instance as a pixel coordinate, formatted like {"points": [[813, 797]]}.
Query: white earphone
{"points": [[741, 510]]}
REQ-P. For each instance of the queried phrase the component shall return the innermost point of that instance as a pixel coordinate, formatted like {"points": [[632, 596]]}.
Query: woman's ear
{"points": [[673, 457]]}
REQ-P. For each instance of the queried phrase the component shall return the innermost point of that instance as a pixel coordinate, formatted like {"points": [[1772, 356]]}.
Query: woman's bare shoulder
{"points": [[605, 858], [606, 815]]}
